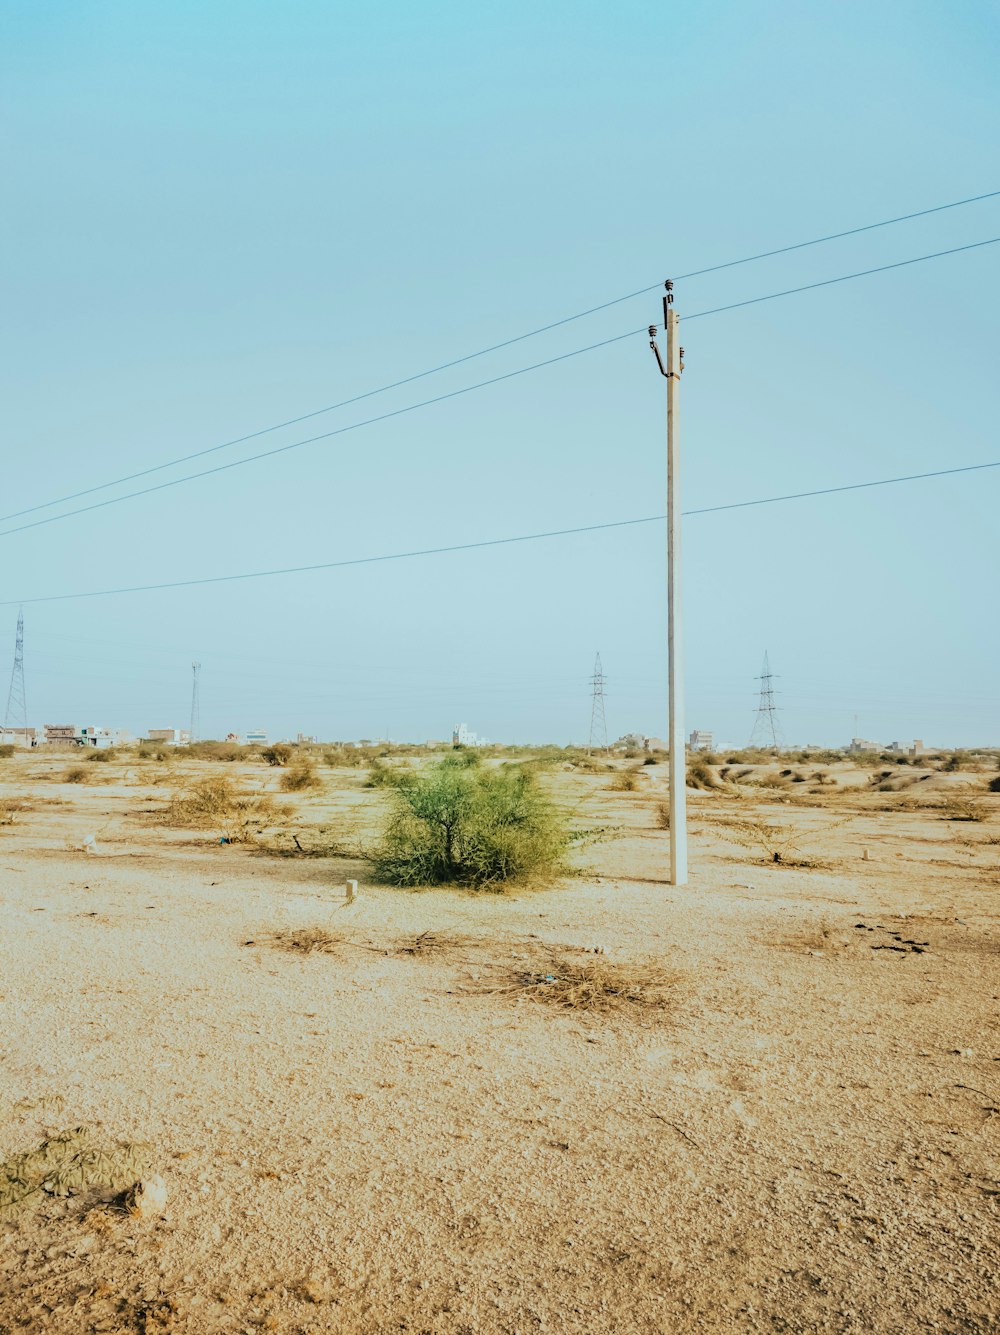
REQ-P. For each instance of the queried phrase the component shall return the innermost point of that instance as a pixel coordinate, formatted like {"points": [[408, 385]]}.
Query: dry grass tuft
{"points": [[10, 809], [964, 808], [426, 944], [300, 940], [578, 981], [626, 780]]}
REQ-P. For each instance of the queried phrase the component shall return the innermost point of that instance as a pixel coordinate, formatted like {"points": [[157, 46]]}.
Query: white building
{"points": [[102, 739], [463, 736], [701, 741], [21, 737]]}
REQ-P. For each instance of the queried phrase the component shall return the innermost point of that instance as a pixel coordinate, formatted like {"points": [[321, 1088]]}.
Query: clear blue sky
{"points": [[220, 216]]}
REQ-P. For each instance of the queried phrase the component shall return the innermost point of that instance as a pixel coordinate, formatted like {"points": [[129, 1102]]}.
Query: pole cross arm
{"points": [[653, 344]]}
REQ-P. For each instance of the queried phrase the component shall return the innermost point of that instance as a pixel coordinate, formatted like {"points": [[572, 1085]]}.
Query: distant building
{"points": [[102, 739], [863, 744], [918, 748], [638, 741], [62, 734], [171, 736], [256, 737], [17, 737], [464, 736], [303, 737], [701, 741]]}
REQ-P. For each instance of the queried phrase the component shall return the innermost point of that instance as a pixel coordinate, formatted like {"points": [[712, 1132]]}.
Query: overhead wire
{"points": [[482, 384], [493, 542], [495, 347], [843, 278]]}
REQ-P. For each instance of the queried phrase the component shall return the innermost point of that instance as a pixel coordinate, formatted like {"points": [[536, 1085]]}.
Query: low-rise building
{"points": [[62, 734], [102, 739], [20, 737], [170, 736], [255, 737], [701, 741]]}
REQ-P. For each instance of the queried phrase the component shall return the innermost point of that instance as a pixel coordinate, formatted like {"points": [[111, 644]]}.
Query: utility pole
{"points": [[195, 726], [675, 663]]}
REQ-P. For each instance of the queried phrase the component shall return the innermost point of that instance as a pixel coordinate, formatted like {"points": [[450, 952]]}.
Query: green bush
{"points": [[474, 826], [381, 775], [464, 756]]}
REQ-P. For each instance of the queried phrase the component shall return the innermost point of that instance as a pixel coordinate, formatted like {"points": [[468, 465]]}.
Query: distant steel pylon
{"points": [[598, 723], [765, 726], [17, 704], [195, 703]]}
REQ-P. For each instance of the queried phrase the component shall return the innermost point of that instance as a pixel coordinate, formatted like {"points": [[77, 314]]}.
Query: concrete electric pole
{"points": [[675, 664]]}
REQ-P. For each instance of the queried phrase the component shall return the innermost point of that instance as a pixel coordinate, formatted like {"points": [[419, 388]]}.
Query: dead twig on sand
{"points": [[674, 1126]]}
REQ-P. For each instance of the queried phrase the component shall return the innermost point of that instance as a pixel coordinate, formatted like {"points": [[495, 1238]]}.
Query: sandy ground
{"points": [[804, 1139]]}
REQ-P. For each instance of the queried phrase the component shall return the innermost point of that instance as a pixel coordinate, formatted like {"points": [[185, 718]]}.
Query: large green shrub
{"points": [[471, 825]]}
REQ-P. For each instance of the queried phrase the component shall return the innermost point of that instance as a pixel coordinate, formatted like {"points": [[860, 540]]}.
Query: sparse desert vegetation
{"points": [[585, 1055]]}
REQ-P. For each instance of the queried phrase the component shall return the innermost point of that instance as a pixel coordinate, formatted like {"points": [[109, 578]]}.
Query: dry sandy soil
{"points": [[804, 1138]]}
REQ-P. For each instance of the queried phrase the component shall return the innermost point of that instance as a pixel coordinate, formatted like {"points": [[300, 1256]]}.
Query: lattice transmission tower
{"points": [[17, 704], [195, 702], [766, 732], [598, 723]]}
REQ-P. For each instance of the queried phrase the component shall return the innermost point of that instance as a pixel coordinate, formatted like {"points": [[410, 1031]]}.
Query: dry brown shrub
{"points": [[426, 944], [625, 780], [963, 808], [577, 980], [300, 940], [776, 843], [299, 776], [218, 804]]}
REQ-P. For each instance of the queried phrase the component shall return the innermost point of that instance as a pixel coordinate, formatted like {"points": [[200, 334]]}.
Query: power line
{"points": [[850, 486], [487, 542], [481, 384], [326, 435], [844, 278], [496, 347]]}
